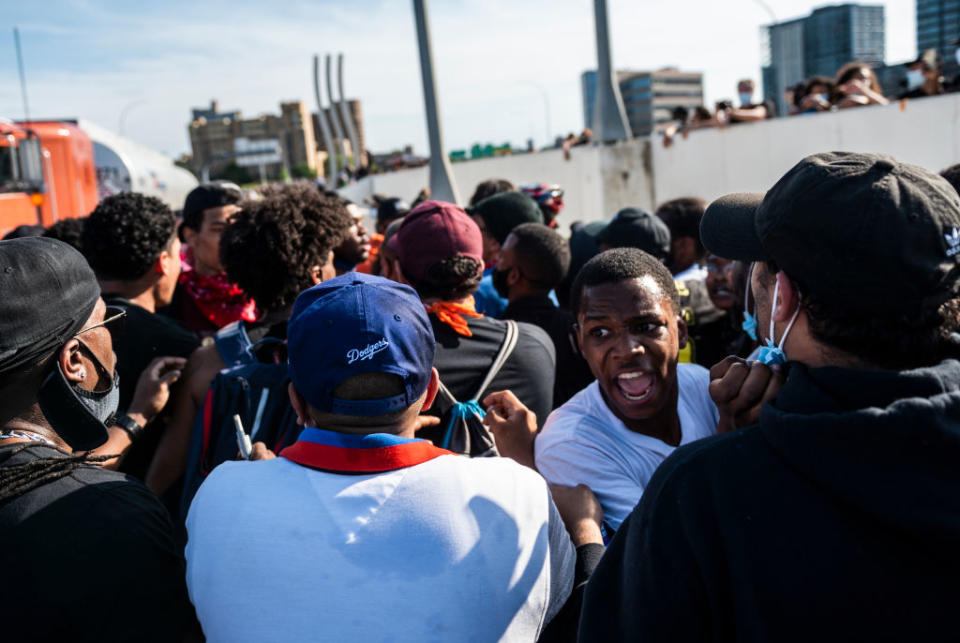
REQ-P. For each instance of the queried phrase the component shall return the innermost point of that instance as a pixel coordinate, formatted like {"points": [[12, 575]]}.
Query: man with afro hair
{"points": [[273, 249], [130, 241]]}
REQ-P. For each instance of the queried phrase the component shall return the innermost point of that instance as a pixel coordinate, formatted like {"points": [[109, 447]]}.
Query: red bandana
{"points": [[218, 300]]}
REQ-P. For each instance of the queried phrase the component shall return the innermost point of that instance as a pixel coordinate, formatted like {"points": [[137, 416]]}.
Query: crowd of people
{"points": [[255, 420], [854, 85]]}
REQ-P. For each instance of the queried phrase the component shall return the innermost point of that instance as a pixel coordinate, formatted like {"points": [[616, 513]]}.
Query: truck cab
{"points": [[47, 173]]}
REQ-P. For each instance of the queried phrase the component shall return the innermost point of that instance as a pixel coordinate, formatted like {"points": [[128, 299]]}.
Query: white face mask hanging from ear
{"points": [[773, 353]]}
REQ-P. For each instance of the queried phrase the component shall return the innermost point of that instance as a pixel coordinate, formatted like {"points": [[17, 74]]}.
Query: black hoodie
{"points": [[837, 518]]}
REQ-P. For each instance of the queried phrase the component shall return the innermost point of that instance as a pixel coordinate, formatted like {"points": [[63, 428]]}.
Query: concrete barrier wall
{"points": [[751, 157], [580, 177], [708, 163]]}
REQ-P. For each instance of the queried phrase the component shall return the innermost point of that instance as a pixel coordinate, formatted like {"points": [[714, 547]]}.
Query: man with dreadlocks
{"points": [[88, 554]]}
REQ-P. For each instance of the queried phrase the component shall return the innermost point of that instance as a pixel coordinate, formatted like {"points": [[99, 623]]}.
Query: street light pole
{"points": [[442, 185], [546, 109], [610, 118]]}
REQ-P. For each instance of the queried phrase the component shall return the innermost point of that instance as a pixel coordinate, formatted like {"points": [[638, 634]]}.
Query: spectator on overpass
{"points": [[748, 111], [815, 95], [857, 86], [924, 76]]}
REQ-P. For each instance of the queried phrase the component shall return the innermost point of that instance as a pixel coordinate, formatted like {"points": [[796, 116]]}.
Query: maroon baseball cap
{"points": [[434, 231]]}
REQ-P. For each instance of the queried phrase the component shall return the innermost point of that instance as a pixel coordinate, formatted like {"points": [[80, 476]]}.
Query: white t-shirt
{"points": [[583, 442], [451, 549]]}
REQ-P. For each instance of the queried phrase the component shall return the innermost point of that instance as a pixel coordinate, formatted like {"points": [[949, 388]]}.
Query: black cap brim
{"points": [[728, 227]]}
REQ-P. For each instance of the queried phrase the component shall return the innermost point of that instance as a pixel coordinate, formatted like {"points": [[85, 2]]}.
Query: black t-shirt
{"points": [[572, 373], [146, 336], [463, 362], [88, 557]]}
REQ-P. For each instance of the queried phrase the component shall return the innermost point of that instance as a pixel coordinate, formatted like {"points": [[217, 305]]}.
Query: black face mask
{"points": [[499, 278], [79, 416]]}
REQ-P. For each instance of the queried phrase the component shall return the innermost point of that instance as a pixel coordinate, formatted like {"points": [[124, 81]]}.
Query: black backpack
{"points": [[462, 423], [257, 392]]}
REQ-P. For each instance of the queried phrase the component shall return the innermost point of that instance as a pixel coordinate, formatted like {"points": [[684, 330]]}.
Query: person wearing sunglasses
{"points": [[62, 515]]}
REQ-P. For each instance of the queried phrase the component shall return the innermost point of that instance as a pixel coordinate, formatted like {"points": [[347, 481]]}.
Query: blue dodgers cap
{"points": [[356, 324]]}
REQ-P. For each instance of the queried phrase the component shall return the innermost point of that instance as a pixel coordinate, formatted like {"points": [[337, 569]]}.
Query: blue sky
{"points": [[494, 59]]}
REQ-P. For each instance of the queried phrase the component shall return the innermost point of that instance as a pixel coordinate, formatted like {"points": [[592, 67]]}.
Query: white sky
{"points": [[89, 60]]}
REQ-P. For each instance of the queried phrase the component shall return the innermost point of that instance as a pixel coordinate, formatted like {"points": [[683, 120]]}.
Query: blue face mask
{"points": [[749, 324], [771, 353]]}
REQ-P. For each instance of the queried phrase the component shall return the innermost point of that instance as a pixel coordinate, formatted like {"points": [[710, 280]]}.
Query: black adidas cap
{"points": [[864, 232]]}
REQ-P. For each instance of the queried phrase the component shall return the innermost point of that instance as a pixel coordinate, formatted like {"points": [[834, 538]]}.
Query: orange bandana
{"points": [[454, 315]]}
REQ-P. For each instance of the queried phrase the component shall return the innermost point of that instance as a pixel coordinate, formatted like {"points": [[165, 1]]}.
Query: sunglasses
{"points": [[114, 320]]}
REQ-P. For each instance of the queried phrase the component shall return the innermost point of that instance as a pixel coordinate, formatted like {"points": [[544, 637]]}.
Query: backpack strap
{"points": [[463, 410], [234, 344], [506, 350]]}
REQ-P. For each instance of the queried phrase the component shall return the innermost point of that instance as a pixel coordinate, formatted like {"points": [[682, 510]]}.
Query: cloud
{"points": [[91, 59]]}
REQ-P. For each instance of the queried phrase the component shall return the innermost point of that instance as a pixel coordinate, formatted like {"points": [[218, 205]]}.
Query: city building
{"points": [[356, 113], [214, 137], [819, 45], [938, 27], [649, 97]]}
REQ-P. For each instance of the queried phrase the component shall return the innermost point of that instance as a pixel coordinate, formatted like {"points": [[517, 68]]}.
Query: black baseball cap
{"points": [[636, 228], [211, 195], [504, 211], [390, 209], [864, 232], [49, 292]]}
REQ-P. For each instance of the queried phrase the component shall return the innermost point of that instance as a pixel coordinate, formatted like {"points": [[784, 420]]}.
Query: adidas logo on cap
{"points": [[953, 242]]}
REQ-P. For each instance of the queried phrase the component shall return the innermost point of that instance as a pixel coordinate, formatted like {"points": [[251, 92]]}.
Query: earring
{"points": [[83, 373]]}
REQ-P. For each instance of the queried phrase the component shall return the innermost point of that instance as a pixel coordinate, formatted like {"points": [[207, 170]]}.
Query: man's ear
{"points": [[514, 276], [788, 298], [432, 388], [189, 234], [70, 362], [682, 332], [316, 275], [574, 335], [299, 404], [164, 263]]}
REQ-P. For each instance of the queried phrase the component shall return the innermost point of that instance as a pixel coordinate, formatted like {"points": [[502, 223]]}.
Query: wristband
{"points": [[129, 425]]}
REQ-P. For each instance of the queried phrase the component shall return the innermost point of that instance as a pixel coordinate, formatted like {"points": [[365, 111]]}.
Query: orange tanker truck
{"points": [[47, 173], [58, 169]]}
